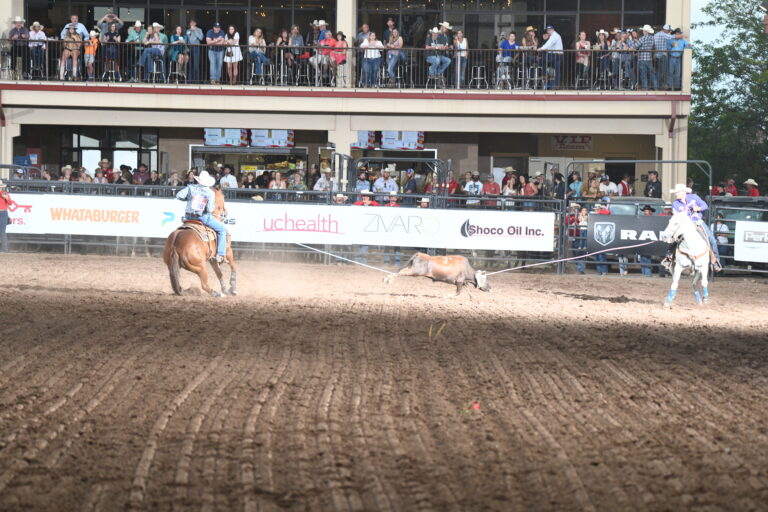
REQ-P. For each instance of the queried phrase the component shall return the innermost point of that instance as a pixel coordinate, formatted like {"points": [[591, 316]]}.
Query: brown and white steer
{"points": [[449, 269]]}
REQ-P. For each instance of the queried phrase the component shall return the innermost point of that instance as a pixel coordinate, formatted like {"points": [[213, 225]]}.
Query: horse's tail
{"points": [[173, 266]]}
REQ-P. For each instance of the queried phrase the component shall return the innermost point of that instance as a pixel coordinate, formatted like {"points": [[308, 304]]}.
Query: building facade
{"points": [[162, 124]]}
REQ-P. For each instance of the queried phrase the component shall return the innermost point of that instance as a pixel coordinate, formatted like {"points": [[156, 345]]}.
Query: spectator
{"points": [[603, 55], [154, 49], [607, 187], [590, 191], [256, 47], [339, 199], [322, 28], [676, 46], [228, 179], [625, 189], [178, 51], [553, 58], [5, 204], [574, 189], [424, 203], [249, 181], [263, 180], [661, 42], [339, 54], [385, 184], [37, 45], [491, 188], [394, 251], [371, 59], [362, 35], [107, 20], [141, 175], [719, 189], [366, 199], [194, 38], [474, 189], [321, 60], [509, 174], [105, 167], [135, 41], [395, 55], [583, 55], [507, 47], [645, 261], [731, 189], [558, 187], [437, 48], [362, 182], [751, 188], [387, 35], [720, 230], [191, 180], [410, 185], [541, 185], [295, 42], [644, 61], [91, 45], [19, 35], [526, 188], [154, 179], [174, 180], [73, 44], [233, 55], [110, 39], [79, 28], [653, 187], [313, 35], [529, 42], [602, 268], [325, 183], [216, 42], [297, 183], [576, 218], [461, 54]]}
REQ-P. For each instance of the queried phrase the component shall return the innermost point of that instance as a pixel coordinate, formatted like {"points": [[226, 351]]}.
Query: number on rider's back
{"points": [[199, 202]]}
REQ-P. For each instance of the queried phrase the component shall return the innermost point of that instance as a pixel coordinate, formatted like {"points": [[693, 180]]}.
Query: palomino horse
{"points": [[185, 249], [692, 253]]}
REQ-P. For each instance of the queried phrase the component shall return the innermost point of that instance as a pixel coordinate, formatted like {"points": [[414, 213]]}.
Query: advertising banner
{"points": [[225, 137], [365, 140], [402, 140], [751, 241], [272, 138], [291, 222], [617, 231]]}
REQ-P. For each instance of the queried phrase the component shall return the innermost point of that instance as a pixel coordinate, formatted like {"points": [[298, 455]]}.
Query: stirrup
{"points": [[220, 258], [716, 266], [667, 263]]}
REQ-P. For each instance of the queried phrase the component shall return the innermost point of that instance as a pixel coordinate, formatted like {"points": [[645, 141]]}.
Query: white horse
{"points": [[692, 253]]}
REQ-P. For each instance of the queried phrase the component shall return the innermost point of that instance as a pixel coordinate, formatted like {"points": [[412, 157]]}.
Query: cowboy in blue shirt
{"points": [[693, 206], [676, 48], [201, 202]]}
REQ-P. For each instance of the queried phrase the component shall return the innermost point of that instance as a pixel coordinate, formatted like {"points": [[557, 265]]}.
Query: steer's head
{"points": [[481, 278]]}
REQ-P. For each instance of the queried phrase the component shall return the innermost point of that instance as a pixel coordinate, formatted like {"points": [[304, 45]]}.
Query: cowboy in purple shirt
{"points": [[692, 205]]}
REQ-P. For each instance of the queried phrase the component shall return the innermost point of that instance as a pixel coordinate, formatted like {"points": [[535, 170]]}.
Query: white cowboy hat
{"points": [[340, 196], [37, 24], [435, 30], [314, 23], [321, 23], [447, 25], [66, 167], [424, 200], [679, 188], [601, 31], [94, 33], [157, 25], [205, 179], [750, 181], [667, 26], [509, 169], [648, 28], [575, 205], [18, 19], [137, 24]]}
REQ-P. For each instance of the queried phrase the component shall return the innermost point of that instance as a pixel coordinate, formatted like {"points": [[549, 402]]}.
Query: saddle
{"points": [[206, 234]]}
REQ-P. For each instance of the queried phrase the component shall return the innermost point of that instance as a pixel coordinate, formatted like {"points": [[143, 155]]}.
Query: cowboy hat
{"points": [[529, 28], [94, 33], [321, 23], [445, 24], [18, 19], [750, 181], [598, 206], [435, 30], [575, 205], [424, 200], [37, 24], [647, 28], [679, 188], [509, 169], [666, 26], [205, 179], [475, 173], [340, 196], [157, 25], [137, 24], [649, 207], [601, 31], [66, 167]]}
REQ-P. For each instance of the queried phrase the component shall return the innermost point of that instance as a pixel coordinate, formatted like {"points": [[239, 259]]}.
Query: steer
{"points": [[449, 269]]}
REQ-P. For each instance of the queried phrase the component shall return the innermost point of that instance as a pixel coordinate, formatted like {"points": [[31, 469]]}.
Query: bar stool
{"points": [[158, 69], [110, 74], [260, 79], [503, 77], [477, 78], [437, 81], [6, 73], [179, 72], [302, 73], [37, 69]]}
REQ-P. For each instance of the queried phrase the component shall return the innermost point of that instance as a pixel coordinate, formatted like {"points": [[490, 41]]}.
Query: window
{"points": [[129, 146]]}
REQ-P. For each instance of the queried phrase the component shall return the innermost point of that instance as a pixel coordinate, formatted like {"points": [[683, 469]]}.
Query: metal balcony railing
{"points": [[303, 66]]}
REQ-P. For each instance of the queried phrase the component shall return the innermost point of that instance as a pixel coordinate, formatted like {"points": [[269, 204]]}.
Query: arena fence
{"points": [[523, 68], [731, 215]]}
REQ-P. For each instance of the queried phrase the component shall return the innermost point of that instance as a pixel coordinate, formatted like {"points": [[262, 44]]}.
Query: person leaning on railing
{"points": [[256, 47], [91, 46], [437, 46], [215, 40], [155, 43], [321, 60], [178, 51], [134, 42], [395, 54], [339, 53], [553, 46], [19, 35], [371, 59], [110, 40], [603, 55], [644, 59], [676, 48], [73, 44], [461, 44], [583, 57], [233, 55]]}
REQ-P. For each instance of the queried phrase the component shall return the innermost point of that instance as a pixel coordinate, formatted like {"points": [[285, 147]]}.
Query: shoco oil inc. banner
{"points": [[290, 222]]}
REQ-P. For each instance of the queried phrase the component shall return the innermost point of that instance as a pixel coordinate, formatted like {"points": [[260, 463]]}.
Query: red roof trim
{"points": [[348, 94]]}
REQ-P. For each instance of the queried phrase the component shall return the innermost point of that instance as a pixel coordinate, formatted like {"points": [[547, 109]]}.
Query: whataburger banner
{"points": [[290, 223]]}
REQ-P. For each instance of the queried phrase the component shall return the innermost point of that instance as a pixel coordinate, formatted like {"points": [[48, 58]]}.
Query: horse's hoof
{"points": [[214, 294], [232, 291], [705, 300], [667, 305]]}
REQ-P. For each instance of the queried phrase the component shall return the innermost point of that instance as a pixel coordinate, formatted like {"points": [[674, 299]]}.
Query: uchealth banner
{"points": [[751, 241], [290, 222], [617, 231]]}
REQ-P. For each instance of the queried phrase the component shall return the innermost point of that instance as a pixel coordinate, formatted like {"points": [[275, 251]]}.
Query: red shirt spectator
{"points": [[367, 200], [5, 198], [392, 202], [491, 188], [752, 188], [731, 188]]}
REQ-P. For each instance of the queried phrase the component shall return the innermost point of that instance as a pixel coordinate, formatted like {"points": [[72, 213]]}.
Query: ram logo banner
{"points": [[605, 233]]}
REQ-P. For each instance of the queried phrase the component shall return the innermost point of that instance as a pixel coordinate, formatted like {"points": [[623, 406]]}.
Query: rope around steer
{"points": [[488, 273]]}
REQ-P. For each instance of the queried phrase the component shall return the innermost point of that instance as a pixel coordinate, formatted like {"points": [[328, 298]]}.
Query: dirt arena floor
{"points": [[320, 388]]}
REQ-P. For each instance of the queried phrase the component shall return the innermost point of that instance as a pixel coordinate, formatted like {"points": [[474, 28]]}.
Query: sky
{"points": [[707, 34]]}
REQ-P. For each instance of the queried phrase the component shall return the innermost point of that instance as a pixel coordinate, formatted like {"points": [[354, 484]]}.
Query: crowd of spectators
{"points": [[623, 58]]}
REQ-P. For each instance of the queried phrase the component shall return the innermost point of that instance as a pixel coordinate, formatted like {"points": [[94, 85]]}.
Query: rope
{"points": [[345, 259], [613, 249]]}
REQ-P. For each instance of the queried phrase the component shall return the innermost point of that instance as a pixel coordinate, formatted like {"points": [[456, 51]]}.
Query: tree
{"points": [[729, 111]]}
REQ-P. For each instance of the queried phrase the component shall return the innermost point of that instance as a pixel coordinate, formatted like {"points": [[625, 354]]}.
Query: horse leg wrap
{"points": [[698, 296], [671, 296], [233, 283]]}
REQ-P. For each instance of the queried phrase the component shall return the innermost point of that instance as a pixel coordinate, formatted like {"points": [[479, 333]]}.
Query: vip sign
{"points": [[572, 142]]}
